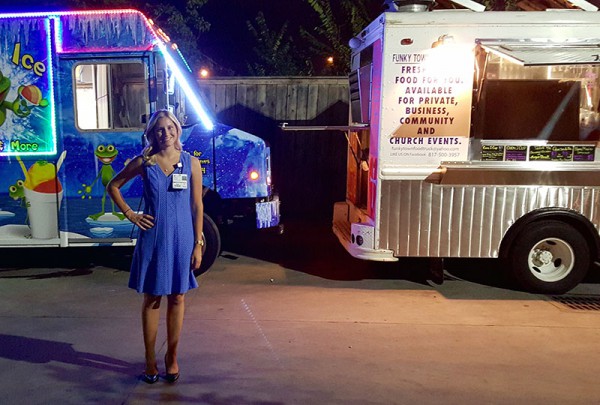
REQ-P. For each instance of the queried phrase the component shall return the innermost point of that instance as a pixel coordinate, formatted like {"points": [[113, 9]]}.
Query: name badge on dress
{"points": [[179, 181]]}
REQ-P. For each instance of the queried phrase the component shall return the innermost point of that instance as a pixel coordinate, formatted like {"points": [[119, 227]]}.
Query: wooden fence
{"points": [[308, 167]]}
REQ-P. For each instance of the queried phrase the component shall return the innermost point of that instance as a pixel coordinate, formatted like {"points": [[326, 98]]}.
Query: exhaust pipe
{"points": [[410, 6]]}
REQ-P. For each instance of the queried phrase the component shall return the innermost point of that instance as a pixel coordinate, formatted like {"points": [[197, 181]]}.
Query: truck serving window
{"points": [[110, 96], [536, 94]]}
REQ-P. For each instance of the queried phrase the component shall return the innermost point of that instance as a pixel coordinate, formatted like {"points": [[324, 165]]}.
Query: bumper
{"points": [[357, 238]]}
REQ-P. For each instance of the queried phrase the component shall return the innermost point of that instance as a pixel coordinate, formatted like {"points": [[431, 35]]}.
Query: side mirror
{"points": [[170, 82]]}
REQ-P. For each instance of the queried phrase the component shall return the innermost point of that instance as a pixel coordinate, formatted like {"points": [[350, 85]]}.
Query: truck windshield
{"points": [[180, 85], [170, 94]]}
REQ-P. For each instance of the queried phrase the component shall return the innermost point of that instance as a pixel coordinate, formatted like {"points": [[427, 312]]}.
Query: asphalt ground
{"points": [[292, 319]]}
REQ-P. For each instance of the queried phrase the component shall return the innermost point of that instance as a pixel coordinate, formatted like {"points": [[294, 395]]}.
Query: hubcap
{"points": [[551, 259]]}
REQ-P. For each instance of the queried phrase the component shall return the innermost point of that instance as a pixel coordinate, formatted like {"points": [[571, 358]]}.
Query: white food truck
{"points": [[475, 135]]}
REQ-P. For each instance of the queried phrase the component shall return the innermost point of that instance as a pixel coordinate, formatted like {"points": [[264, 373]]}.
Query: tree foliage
{"points": [[184, 23], [275, 52], [339, 22]]}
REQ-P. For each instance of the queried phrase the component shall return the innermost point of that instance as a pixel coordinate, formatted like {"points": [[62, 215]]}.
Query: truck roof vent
{"points": [[427, 5], [410, 6]]}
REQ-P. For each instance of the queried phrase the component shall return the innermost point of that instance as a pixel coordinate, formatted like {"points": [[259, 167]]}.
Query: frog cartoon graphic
{"points": [[106, 154], [17, 192], [4, 89], [28, 98]]}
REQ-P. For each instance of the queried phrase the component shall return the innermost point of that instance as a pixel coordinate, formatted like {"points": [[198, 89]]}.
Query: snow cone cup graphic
{"points": [[42, 208], [43, 194]]}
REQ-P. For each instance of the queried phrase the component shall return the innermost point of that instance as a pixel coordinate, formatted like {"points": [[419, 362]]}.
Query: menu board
{"points": [[537, 153], [583, 153], [563, 153], [540, 153], [492, 153], [516, 153]]}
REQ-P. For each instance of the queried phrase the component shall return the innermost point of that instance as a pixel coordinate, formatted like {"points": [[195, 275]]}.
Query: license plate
{"points": [[267, 214]]}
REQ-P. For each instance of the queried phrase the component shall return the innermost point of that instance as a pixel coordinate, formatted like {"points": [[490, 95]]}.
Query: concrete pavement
{"points": [[295, 325]]}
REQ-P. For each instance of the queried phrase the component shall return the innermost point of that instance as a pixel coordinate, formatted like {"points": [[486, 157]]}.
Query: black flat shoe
{"points": [[149, 378], [171, 378]]}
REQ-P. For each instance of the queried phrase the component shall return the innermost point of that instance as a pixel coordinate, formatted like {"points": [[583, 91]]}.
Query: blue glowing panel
{"points": [[238, 154], [229, 157]]}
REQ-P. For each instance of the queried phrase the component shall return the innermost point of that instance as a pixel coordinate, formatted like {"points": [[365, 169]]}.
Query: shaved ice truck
{"points": [[75, 91], [475, 135]]}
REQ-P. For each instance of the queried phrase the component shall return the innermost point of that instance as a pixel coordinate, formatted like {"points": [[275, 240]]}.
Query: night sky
{"points": [[230, 43]]}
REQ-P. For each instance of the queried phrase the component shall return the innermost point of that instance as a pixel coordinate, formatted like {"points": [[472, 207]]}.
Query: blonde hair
{"points": [[150, 144]]}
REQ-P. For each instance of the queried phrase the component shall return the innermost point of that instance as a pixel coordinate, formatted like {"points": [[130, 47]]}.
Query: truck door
{"points": [[103, 102], [362, 144]]}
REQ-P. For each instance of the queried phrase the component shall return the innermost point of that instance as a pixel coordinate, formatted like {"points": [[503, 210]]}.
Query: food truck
{"points": [[75, 91], [475, 135]]}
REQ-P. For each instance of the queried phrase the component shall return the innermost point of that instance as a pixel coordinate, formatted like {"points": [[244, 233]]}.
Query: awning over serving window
{"points": [[529, 53]]}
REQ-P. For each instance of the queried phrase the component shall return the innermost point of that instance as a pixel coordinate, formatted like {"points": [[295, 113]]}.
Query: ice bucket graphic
{"points": [[42, 210]]}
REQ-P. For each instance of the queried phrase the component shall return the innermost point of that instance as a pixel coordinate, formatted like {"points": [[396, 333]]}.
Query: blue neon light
{"points": [[187, 88], [184, 60], [51, 83]]}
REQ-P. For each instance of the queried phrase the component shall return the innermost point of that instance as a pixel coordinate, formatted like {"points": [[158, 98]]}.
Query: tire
{"points": [[549, 257], [212, 245]]}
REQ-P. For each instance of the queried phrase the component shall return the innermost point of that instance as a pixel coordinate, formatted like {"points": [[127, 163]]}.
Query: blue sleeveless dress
{"points": [[161, 263]]}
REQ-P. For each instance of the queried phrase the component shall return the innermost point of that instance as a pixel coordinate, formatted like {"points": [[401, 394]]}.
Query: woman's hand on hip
{"points": [[142, 221]]}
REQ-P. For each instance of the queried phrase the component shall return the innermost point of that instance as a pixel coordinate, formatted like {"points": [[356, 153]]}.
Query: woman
{"points": [[169, 245]]}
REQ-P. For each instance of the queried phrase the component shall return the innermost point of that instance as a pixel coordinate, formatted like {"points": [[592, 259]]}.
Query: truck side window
{"points": [[110, 96], [556, 103], [360, 87]]}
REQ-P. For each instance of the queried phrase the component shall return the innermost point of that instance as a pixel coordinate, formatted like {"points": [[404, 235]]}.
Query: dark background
{"points": [[229, 42]]}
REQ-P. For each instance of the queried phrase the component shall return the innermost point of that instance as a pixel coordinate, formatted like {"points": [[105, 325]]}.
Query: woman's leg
{"points": [[175, 309], [150, 317]]}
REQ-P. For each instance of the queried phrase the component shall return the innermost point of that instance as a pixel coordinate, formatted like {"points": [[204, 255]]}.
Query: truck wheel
{"points": [[212, 245], [549, 257]]}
